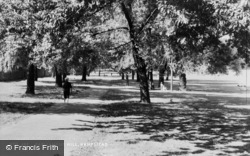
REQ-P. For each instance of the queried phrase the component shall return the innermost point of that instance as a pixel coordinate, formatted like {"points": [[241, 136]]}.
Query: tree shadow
{"points": [[206, 126], [49, 108], [53, 92], [118, 94], [205, 123], [27, 108]]}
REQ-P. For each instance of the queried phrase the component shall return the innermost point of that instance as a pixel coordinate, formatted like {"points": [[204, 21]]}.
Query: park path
{"points": [[60, 122]]}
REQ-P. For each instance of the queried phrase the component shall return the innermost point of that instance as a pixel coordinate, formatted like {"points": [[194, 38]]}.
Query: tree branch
{"points": [[122, 45], [147, 21], [126, 13], [109, 30]]}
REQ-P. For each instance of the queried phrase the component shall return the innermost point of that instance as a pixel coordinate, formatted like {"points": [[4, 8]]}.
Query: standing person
{"points": [[67, 89]]}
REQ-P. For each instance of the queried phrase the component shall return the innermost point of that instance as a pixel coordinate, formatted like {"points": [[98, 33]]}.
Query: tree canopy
{"points": [[73, 33]]}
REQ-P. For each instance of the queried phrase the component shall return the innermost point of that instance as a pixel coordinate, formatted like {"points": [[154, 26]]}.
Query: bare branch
{"points": [[122, 45], [109, 30], [147, 21]]}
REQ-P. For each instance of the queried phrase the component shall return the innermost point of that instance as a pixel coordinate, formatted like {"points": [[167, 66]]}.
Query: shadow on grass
{"points": [[15, 107], [49, 108], [204, 123], [117, 94], [53, 92], [102, 82], [200, 122], [206, 126]]}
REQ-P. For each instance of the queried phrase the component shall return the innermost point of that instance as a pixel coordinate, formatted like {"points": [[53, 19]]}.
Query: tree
{"points": [[30, 80], [191, 30], [19, 36], [194, 23], [235, 30], [135, 33], [195, 39]]}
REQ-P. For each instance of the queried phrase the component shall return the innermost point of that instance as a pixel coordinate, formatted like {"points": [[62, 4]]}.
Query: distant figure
{"points": [[67, 89], [163, 87]]}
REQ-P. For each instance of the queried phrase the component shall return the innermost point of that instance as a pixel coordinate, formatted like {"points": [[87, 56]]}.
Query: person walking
{"points": [[67, 89]]}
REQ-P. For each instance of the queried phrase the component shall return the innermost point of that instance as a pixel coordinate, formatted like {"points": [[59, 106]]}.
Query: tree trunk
{"points": [[122, 76], [161, 77], [99, 73], [137, 77], [64, 71], [151, 79], [183, 81], [84, 73], [139, 61], [64, 76], [171, 87], [127, 80], [168, 70], [31, 80], [144, 88], [35, 73], [133, 74], [58, 78]]}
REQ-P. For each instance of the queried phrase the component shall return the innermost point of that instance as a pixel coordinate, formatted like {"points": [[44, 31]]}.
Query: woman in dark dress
{"points": [[67, 89]]}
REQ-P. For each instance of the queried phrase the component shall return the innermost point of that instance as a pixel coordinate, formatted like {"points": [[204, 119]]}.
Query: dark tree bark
{"points": [[31, 80], [64, 71], [161, 76], [58, 78], [35, 73], [133, 74], [127, 80], [183, 81], [151, 80], [64, 76], [139, 61], [99, 74], [84, 73], [137, 77], [171, 71], [122, 74], [144, 87], [150, 73], [168, 73]]}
